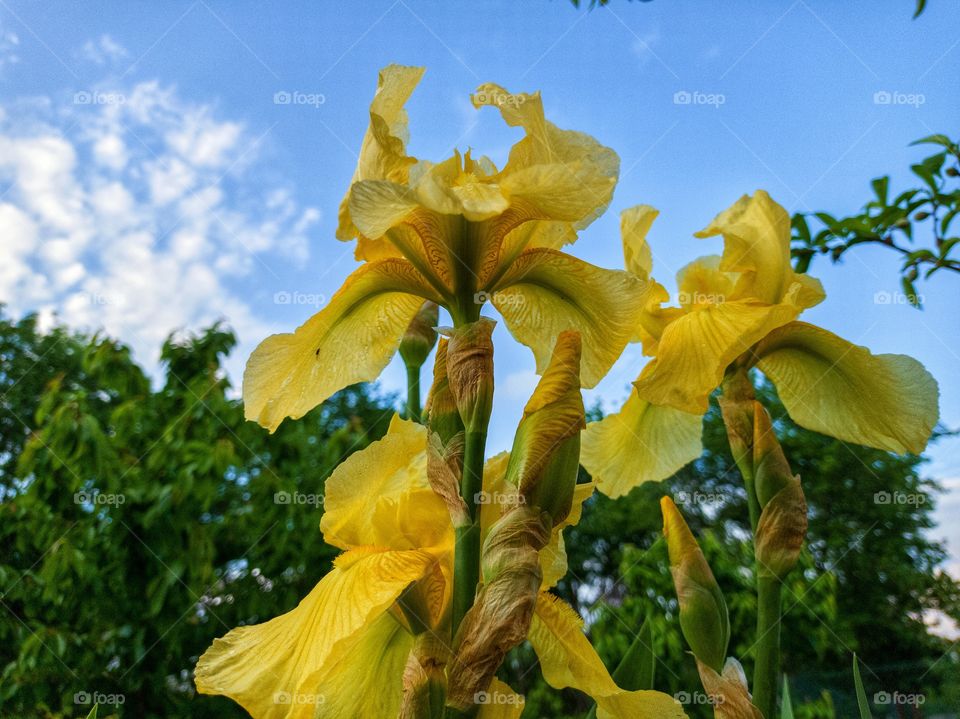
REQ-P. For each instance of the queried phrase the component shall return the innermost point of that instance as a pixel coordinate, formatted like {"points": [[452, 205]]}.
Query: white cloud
{"points": [[9, 42], [117, 216], [102, 51]]}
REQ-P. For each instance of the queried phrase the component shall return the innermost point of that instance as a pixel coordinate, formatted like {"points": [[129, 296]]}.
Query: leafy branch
{"points": [[896, 223]]}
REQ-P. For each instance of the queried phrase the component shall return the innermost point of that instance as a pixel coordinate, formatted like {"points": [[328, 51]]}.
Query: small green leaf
{"points": [[881, 186], [637, 669], [93, 712], [786, 706], [921, 4], [937, 139], [861, 695]]}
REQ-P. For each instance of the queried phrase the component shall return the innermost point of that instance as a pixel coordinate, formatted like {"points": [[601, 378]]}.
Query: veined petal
{"points": [[350, 340], [756, 243], [381, 497], [553, 557], [829, 385], [643, 442], [378, 205], [383, 152], [567, 175], [696, 349], [546, 292], [258, 665], [567, 659], [702, 282], [368, 680]]}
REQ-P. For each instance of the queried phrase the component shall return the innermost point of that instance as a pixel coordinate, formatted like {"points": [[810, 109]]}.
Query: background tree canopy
{"points": [[140, 523]]}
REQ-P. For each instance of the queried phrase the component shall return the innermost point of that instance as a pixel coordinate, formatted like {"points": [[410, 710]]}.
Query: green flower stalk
{"points": [[415, 347]]}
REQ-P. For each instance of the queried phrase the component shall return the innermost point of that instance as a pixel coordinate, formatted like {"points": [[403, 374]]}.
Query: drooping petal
{"points": [[696, 349], [642, 442], [567, 175], [546, 292], [829, 385], [553, 557], [271, 669], [756, 239], [383, 153], [381, 496], [567, 659], [350, 340]]}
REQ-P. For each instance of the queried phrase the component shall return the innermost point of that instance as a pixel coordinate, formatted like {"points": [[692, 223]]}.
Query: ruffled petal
{"points": [[642, 442], [273, 669], [567, 659], [829, 385], [635, 223], [383, 153], [567, 175], [350, 340], [381, 497], [546, 292], [756, 243], [702, 282], [696, 349]]}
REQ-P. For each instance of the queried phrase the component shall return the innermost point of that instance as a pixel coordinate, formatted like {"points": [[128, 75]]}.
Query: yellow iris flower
{"points": [[342, 651], [458, 233], [741, 308]]}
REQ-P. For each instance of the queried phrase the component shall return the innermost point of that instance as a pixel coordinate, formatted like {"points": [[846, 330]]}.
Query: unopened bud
{"points": [[703, 612], [783, 517], [736, 405], [953, 172], [470, 368], [921, 216], [420, 336], [424, 680], [546, 450]]}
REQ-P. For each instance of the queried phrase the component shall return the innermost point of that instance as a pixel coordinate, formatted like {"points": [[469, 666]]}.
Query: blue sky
{"points": [[150, 179]]}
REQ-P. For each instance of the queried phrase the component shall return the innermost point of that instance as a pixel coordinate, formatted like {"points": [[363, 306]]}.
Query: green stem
{"points": [[766, 672], [753, 503], [413, 392], [466, 568]]}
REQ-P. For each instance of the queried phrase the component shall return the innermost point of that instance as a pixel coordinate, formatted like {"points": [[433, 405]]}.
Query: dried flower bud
{"points": [[424, 679], [703, 611], [420, 336], [443, 418], [470, 368]]}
